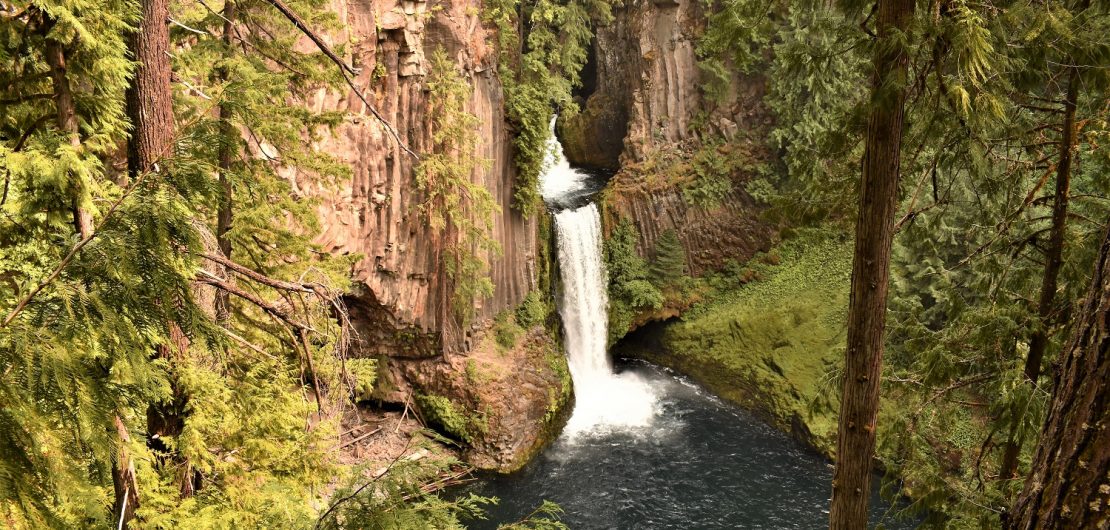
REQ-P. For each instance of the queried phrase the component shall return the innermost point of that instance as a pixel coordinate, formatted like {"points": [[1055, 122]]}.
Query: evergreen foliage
{"points": [[629, 286], [404, 495], [256, 393], [452, 201], [814, 59], [669, 264], [712, 176], [982, 154], [543, 45]]}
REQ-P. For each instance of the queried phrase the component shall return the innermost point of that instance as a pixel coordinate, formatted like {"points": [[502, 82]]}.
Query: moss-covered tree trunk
{"points": [[859, 404], [1069, 485]]}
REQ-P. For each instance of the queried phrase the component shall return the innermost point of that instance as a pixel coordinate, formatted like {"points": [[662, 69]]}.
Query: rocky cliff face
{"points": [[644, 115], [404, 287], [401, 308]]}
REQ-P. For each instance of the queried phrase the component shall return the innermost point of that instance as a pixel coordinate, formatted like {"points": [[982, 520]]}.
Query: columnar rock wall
{"points": [[402, 304], [643, 106], [401, 309]]}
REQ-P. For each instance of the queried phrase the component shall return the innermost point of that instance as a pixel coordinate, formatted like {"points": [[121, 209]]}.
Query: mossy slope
{"points": [[768, 335]]}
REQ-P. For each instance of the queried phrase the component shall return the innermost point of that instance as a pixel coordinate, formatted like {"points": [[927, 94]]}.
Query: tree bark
{"points": [[1054, 260], [66, 120], [859, 404], [150, 110], [123, 479], [150, 97], [1069, 484], [224, 215]]}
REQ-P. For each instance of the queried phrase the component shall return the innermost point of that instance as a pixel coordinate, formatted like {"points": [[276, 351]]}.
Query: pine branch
{"points": [[1005, 227], [275, 311], [377, 475], [313, 288], [85, 240]]}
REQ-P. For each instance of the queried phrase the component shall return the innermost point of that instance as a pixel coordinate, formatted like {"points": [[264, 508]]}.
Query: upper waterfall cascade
{"points": [[603, 400]]}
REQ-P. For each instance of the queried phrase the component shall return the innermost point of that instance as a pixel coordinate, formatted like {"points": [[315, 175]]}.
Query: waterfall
{"points": [[603, 400]]}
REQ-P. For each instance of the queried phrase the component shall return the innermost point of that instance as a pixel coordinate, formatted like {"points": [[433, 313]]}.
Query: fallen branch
{"points": [[360, 438]]}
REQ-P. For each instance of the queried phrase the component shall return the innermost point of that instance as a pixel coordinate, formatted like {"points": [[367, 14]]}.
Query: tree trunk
{"points": [[1054, 260], [226, 154], [150, 110], [859, 405], [66, 120], [1069, 484], [123, 479], [150, 98]]}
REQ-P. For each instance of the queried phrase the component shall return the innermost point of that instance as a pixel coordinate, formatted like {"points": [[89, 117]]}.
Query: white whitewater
{"points": [[604, 401]]}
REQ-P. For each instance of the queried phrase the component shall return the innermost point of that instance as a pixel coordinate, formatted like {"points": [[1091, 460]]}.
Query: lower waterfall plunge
{"points": [[603, 400], [644, 448]]}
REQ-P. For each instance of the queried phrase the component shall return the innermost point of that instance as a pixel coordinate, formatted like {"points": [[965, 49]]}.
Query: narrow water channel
{"points": [[645, 448]]}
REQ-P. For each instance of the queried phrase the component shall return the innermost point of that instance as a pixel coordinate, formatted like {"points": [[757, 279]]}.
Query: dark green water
{"points": [[701, 463]]}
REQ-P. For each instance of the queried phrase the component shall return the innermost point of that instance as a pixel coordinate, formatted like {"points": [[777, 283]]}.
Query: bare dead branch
{"points": [[345, 70]]}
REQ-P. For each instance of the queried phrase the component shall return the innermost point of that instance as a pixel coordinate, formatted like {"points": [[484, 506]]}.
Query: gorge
{"points": [[539, 264], [644, 447]]}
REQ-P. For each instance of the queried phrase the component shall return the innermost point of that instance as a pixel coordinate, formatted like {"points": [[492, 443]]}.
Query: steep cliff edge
{"points": [[646, 116], [405, 287], [401, 311]]}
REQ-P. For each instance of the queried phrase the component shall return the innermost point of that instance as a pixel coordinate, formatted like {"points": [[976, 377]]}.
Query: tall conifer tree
{"points": [[859, 400]]}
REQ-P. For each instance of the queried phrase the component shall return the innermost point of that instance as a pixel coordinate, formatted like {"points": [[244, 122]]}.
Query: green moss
{"points": [[453, 418], [478, 374], [770, 344], [557, 399], [363, 374]]}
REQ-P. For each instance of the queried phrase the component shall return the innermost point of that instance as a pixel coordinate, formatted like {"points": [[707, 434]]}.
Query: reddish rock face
{"points": [[402, 304], [644, 85], [401, 307]]}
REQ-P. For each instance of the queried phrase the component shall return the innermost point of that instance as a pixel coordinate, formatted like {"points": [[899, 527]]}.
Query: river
{"points": [[645, 448]]}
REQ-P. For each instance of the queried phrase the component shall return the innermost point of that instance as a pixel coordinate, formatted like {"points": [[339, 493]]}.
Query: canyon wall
{"points": [[401, 307], [642, 104], [404, 291], [644, 115]]}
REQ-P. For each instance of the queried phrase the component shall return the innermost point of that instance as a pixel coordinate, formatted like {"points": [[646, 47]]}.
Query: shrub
{"points": [[363, 374], [532, 311], [442, 411], [506, 331]]}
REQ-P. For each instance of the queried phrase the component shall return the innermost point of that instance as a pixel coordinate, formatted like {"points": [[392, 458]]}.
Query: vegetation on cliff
{"points": [[453, 203], [543, 45], [768, 334], [174, 345]]}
